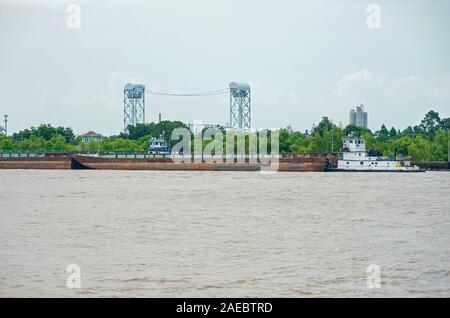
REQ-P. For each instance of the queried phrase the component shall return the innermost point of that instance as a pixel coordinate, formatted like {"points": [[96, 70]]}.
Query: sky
{"points": [[302, 59]]}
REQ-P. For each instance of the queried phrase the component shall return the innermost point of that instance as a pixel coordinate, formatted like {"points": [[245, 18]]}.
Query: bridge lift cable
{"points": [[210, 93]]}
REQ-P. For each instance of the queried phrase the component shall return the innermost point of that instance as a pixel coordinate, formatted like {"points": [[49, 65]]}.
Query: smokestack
{"points": [[159, 117], [6, 125]]}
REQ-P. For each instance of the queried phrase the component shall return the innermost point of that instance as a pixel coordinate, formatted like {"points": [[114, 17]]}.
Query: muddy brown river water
{"points": [[220, 234]]}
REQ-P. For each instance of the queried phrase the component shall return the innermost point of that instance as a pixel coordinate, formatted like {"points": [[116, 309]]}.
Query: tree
{"points": [[369, 138], [294, 142], [324, 125], [91, 146], [355, 131], [408, 132], [285, 141], [382, 135], [392, 133], [439, 147], [418, 130], [32, 143], [47, 132], [317, 144], [67, 133], [6, 143], [140, 130], [445, 124], [399, 146], [419, 149], [430, 123], [58, 142], [120, 144], [154, 130]]}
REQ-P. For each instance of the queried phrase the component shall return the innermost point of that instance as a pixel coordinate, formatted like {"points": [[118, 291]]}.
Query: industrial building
{"points": [[358, 117]]}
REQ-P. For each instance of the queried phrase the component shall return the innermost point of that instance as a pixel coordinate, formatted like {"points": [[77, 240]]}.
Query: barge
{"points": [[137, 161]]}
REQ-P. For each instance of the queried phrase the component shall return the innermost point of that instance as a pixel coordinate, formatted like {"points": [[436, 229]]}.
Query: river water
{"points": [[224, 234]]}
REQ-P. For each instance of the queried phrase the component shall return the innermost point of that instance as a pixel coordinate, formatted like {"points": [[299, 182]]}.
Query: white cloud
{"points": [[362, 84], [115, 84], [357, 81]]}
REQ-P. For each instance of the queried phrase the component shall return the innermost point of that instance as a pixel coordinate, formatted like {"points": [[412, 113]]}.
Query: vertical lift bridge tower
{"points": [[133, 105], [240, 102]]}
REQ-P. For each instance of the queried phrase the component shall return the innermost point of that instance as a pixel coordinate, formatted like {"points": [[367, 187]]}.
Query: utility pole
{"points": [[332, 139], [6, 125], [332, 136]]}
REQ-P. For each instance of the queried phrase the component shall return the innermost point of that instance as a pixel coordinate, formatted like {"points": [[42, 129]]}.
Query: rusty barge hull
{"points": [[45, 163], [98, 163], [77, 162]]}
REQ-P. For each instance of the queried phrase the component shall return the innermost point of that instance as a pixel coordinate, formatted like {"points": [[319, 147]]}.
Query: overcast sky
{"points": [[303, 60]]}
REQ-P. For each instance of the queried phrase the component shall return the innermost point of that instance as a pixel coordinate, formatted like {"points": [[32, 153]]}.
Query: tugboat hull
{"points": [[347, 170]]}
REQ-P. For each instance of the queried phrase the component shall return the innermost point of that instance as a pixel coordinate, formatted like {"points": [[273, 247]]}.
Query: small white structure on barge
{"points": [[356, 158], [159, 146]]}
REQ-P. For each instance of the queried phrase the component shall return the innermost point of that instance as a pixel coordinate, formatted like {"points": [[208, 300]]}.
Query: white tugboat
{"points": [[356, 158]]}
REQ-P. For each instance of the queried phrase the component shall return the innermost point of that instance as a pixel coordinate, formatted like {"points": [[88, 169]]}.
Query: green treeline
{"points": [[426, 141], [49, 138]]}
